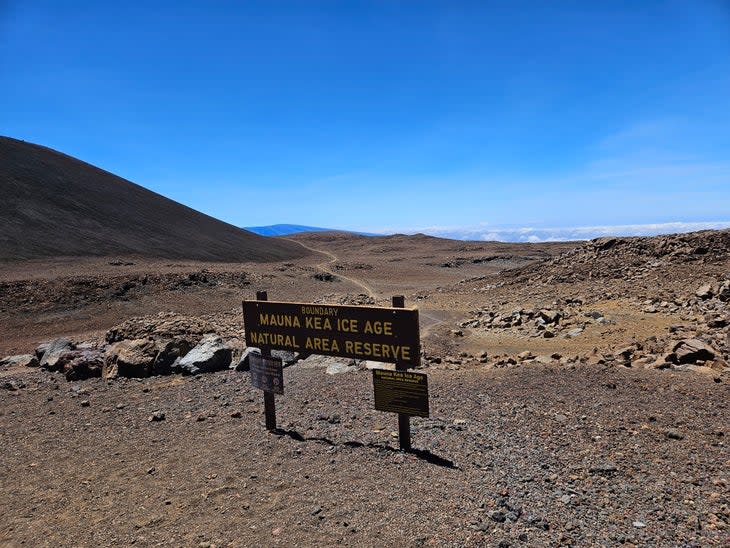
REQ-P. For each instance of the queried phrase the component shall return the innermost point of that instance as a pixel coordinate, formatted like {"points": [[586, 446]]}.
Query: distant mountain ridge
{"points": [[55, 205], [288, 229]]}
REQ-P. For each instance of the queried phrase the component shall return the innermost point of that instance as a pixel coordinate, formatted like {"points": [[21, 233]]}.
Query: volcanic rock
{"points": [[692, 350], [724, 293], [370, 364], [53, 352], [243, 363], [624, 353], [211, 354], [130, 358], [41, 349], [21, 360], [168, 352], [550, 316], [77, 365], [704, 291], [338, 368], [574, 332], [165, 325]]}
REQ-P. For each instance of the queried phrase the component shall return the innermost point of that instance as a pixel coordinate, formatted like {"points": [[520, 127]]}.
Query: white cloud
{"points": [[554, 234]]}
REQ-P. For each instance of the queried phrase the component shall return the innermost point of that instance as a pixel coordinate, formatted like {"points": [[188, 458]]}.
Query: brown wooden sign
{"points": [[267, 373], [382, 334], [401, 392]]}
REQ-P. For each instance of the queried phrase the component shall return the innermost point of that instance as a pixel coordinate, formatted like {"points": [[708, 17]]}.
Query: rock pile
{"points": [[566, 321], [140, 347], [165, 325], [656, 269], [682, 276], [700, 342], [631, 257]]}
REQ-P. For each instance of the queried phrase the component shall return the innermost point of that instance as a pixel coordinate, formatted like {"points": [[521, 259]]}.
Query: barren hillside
{"points": [[55, 205]]}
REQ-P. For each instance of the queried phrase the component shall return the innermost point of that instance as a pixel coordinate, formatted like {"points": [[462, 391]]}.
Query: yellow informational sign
{"points": [[361, 332]]}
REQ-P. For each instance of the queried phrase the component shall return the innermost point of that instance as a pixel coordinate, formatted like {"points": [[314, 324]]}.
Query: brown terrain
{"points": [[55, 205], [578, 391]]}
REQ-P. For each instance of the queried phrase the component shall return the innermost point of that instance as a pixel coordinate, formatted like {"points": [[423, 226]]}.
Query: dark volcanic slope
{"points": [[55, 205]]}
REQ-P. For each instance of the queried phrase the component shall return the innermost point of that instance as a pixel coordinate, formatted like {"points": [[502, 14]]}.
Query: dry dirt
{"points": [[532, 441]]}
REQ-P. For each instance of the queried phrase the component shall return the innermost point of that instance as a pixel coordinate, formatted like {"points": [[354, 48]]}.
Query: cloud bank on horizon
{"points": [[558, 234]]}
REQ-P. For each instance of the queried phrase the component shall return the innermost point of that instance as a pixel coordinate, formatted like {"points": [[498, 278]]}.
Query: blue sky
{"points": [[450, 116]]}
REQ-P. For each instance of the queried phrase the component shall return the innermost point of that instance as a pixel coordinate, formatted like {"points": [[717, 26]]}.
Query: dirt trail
{"points": [[430, 319], [333, 259]]}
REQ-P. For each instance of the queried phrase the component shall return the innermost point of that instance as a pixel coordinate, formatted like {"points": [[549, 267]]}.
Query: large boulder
{"points": [[78, 365], [165, 326], [210, 354], [41, 349], [692, 351], [53, 352], [287, 358], [21, 360], [168, 352], [244, 364], [130, 358]]}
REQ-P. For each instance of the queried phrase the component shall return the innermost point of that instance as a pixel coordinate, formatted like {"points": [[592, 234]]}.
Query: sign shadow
{"points": [[422, 454]]}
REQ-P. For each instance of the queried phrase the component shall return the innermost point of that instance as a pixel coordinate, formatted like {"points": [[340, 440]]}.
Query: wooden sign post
{"points": [[269, 402], [382, 334], [404, 421]]}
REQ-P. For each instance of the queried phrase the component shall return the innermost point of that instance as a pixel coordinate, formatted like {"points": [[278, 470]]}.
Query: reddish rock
{"points": [[704, 291], [692, 351], [130, 358], [77, 365]]}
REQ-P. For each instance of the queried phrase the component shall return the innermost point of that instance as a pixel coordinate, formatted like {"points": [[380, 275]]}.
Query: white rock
{"points": [[369, 364], [338, 368]]}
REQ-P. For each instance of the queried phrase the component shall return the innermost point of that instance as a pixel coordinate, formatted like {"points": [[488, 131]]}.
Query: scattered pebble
{"points": [[673, 434], [156, 416]]}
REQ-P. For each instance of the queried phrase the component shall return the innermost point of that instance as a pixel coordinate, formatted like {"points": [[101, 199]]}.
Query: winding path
{"points": [[429, 320], [325, 267]]}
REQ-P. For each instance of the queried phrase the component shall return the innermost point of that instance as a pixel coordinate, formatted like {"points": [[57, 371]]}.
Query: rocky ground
{"points": [[578, 397], [528, 456]]}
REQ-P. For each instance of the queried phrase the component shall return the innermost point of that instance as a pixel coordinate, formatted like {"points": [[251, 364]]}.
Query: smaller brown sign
{"points": [[401, 392], [267, 374]]}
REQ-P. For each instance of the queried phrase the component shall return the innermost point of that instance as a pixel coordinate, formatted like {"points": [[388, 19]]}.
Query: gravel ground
{"points": [[526, 456]]}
